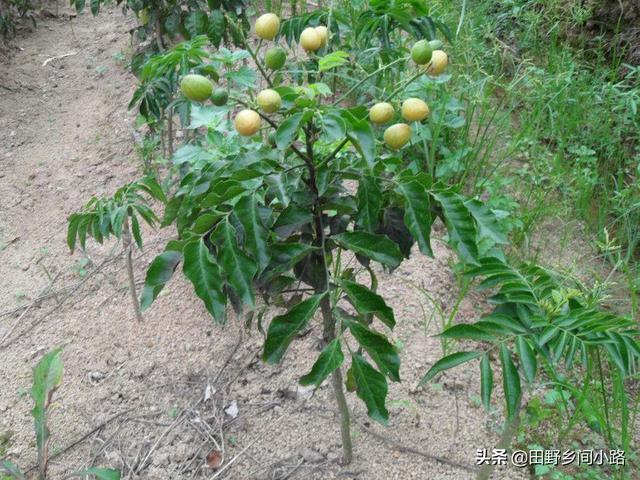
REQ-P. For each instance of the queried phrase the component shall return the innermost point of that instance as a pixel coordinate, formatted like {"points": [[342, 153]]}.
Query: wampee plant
{"points": [[118, 216], [288, 189], [292, 190]]}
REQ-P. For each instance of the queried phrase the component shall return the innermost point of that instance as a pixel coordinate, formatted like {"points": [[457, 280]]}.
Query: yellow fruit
{"points": [[324, 34], [414, 110], [196, 87], [397, 136], [310, 39], [247, 122], [421, 52], [269, 100], [439, 61], [267, 26], [381, 112]]}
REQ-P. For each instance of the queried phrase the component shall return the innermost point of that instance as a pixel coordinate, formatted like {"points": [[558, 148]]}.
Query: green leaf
{"points": [[135, 230], [527, 358], [72, 231], [486, 220], [367, 302], [200, 268], [283, 257], [243, 77], [238, 267], [361, 136], [379, 349], [330, 359], [284, 328], [371, 387], [95, 7], [159, 273], [369, 201], [376, 247], [47, 377], [333, 60], [290, 220], [510, 382], [460, 224], [333, 127], [417, 216], [195, 23], [255, 234], [448, 362], [486, 381], [468, 332], [216, 27], [288, 130], [99, 473]]}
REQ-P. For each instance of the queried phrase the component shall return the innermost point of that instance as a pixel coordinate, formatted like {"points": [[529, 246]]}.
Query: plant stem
{"points": [[328, 320], [337, 382], [372, 74], [510, 429], [126, 241]]}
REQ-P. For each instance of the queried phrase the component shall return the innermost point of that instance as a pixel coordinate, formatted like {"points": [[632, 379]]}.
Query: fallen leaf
{"points": [[232, 409], [214, 459]]}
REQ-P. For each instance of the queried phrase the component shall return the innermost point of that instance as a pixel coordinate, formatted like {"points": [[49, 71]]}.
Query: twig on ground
{"points": [[58, 57], [249, 445], [403, 448]]}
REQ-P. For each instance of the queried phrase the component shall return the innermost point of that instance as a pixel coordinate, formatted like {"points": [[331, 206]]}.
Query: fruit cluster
{"points": [[426, 54]]}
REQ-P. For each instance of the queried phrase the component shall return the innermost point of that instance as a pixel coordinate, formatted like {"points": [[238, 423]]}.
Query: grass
{"points": [[559, 145], [566, 126]]}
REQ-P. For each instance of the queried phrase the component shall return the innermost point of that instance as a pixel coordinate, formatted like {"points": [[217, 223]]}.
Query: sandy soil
{"points": [[154, 394]]}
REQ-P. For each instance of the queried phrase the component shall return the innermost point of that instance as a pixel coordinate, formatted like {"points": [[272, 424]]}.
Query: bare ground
{"points": [[153, 395]]}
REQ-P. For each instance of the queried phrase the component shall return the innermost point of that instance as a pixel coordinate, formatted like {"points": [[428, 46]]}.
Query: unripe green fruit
{"points": [[275, 58], [269, 100], [219, 96], [267, 26], [247, 122], [196, 87], [414, 110], [381, 113], [397, 136], [421, 52], [435, 45]]}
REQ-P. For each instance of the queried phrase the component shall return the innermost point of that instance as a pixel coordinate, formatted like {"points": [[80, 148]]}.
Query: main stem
{"points": [[329, 334], [328, 321], [127, 244]]}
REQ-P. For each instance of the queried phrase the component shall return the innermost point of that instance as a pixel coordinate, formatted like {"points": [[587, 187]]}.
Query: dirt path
{"points": [[162, 386]]}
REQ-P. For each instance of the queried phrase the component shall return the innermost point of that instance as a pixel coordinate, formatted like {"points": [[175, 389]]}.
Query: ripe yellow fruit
{"points": [[439, 61], [414, 110], [269, 100], [267, 26], [324, 34], [310, 39], [381, 113], [397, 136], [247, 122]]}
